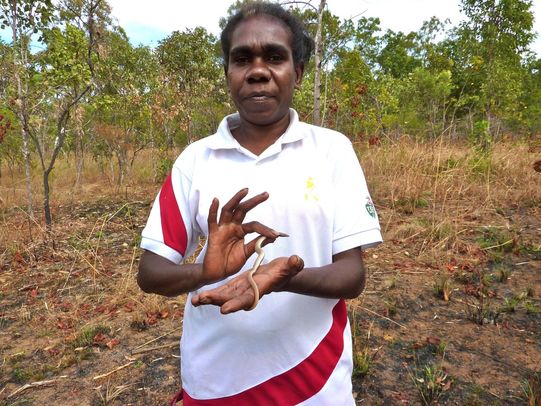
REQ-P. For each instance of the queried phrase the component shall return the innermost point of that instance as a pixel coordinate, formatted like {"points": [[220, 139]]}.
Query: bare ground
{"points": [[75, 330]]}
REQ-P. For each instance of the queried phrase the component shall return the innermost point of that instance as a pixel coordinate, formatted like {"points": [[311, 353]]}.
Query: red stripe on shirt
{"points": [[173, 228], [300, 382]]}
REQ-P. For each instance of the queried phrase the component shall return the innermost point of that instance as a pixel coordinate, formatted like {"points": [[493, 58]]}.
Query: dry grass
{"points": [[445, 173], [448, 187]]}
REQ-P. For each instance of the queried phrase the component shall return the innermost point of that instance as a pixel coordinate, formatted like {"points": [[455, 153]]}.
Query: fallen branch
{"points": [[113, 371], [383, 317], [159, 347], [37, 384], [156, 339], [497, 246]]}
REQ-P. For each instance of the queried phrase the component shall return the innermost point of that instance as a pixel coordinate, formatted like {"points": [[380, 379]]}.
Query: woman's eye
{"points": [[275, 58], [240, 59]]}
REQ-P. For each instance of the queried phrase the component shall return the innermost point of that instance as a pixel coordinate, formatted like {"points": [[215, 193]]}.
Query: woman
{"points": [[303, 180]]}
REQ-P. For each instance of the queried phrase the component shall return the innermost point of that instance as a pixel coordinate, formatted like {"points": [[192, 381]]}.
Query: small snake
{"points": [[260, 256]]}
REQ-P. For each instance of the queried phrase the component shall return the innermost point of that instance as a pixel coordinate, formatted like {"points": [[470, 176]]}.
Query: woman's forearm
{"points": [[161, 276], [343, 278]]}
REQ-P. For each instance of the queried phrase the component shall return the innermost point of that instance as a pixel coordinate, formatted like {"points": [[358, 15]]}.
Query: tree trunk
{"points": [[317, 77], [121, 168], [19, 60], [28, 172], [112, 170], [79, 165], [79, 149], [46, 205]]}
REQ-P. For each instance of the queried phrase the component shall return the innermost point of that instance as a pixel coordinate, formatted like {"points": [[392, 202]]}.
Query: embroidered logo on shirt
{"points": [[369, 206], [310, 192]]}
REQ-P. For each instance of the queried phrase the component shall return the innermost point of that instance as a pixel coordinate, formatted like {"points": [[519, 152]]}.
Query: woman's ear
{"points": [[299, 72]]}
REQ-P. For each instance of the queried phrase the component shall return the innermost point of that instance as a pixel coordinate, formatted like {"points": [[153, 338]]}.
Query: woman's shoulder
{"points": [[326, 137]]}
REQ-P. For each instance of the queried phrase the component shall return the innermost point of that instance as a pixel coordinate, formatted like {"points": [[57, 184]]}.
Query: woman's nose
{"points": [[258, 70]]}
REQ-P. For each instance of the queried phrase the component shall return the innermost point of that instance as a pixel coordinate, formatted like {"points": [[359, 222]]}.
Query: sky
{"points": [[147, 25]]}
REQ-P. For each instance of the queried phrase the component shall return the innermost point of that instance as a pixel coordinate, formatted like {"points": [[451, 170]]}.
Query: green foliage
{"points": [[510, 304], [496, 239], [480, 164], [502, 272], [482, 311], [193, 97], [480, 137], [398, 57], [163, 168], [430, 382], [443, 287], [29, 15], [494, 40], [429, 93], [19, 375], [531, 307], [64, 63], [87, 335], [188, 57], [363, 356]]}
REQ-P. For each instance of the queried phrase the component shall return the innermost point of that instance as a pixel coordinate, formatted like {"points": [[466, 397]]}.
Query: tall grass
{"points": [[447, 173], [432, 191]]}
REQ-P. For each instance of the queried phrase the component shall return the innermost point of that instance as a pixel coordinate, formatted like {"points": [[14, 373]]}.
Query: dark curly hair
{"points": [[302, 44]]}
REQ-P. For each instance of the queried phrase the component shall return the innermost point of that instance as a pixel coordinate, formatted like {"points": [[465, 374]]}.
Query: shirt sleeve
{"points": [[169, 228], [356, 222]]}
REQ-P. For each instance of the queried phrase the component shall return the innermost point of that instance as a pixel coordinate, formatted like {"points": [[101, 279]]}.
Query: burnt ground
{"points": [[447, 317]]}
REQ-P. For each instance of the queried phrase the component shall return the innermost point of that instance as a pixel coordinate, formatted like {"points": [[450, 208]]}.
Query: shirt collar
{"points": [[223, 139]]}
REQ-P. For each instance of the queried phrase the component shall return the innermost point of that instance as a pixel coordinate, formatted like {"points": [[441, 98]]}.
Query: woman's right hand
{"points": [[226, 251]]}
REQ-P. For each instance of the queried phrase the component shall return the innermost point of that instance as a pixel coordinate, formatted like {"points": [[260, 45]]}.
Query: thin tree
{"points": [[318, 56], [80, 83], [24, 17]]}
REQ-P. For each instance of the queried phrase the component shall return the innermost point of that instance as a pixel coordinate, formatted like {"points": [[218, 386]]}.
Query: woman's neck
{"points": [[257, 138]]}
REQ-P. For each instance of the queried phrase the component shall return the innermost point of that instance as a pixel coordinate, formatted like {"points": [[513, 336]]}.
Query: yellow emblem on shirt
{"points": [[310, 192]]}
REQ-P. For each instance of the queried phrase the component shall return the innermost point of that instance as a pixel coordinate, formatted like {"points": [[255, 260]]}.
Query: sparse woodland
{"points": [[447, 125]]}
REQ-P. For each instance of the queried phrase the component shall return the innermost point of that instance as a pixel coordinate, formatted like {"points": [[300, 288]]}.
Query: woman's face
{"points": [[261, 74]]}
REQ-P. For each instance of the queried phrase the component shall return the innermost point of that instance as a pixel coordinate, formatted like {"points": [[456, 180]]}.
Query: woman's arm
{"points": [[159, 275]]}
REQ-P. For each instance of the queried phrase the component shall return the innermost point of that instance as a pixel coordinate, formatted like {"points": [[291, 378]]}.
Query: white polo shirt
{"points": [[292, 349]]}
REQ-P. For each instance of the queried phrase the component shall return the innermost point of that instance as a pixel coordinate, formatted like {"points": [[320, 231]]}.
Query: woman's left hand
{"points": [[237, 294]]}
